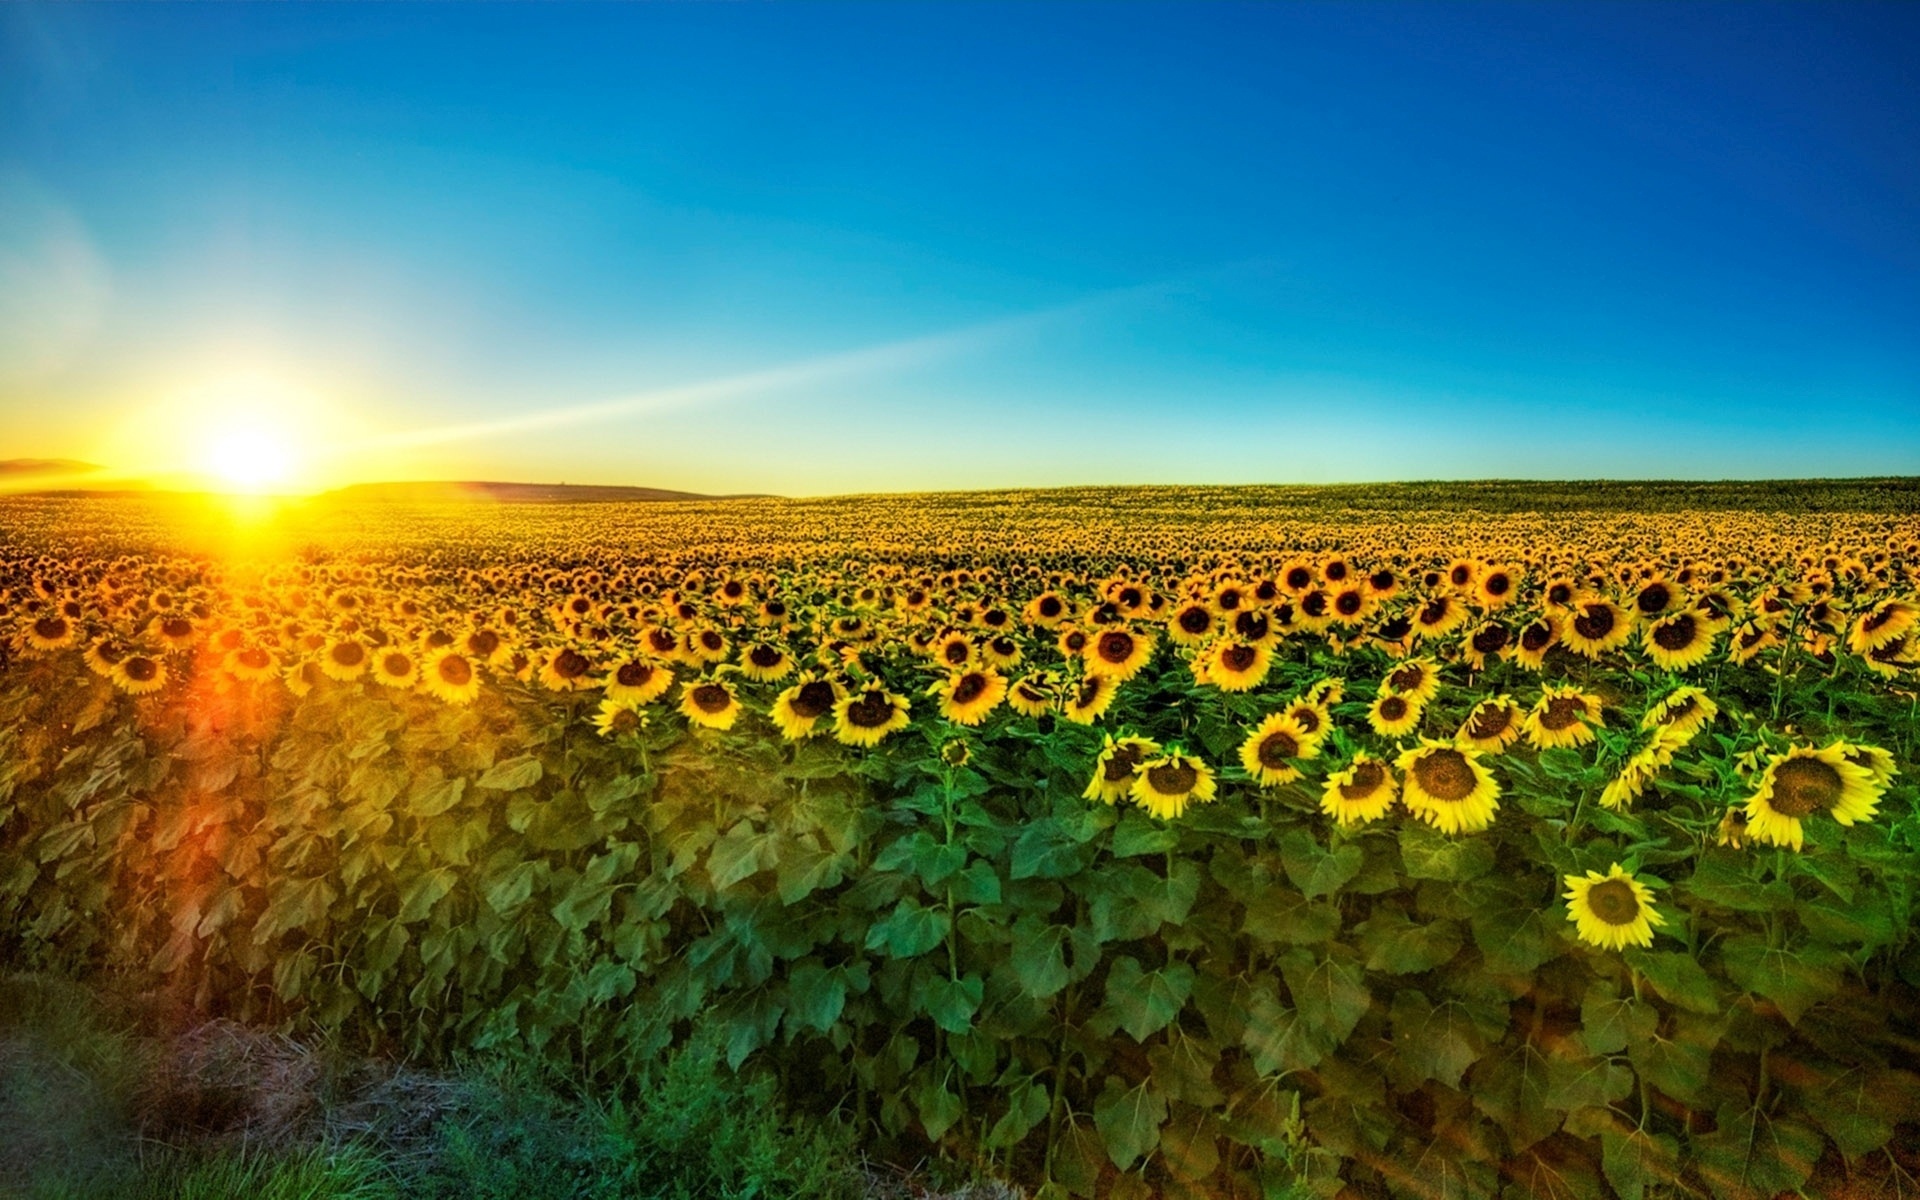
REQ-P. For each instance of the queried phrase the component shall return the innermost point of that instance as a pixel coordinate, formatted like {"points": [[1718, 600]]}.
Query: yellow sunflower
{"points": [[565, 669], [138, 674], [1596, 626], [1192, 623], [250, 664], [966, 697], [864, 718], [1678, 642], [1611, 911], [1165, 785], [798, 710], [49, 632], [1884, 623], [345, 659], [1493, 725], [1446, 786], [1805, 781], [765, 663], [1563, 716], [1361, 791], [637, 681], [395, 668], [1686, 710], [616, 717], [1089, 697], [1114, 770], [450, 676], [1033, 695], [710, 703], [1535, 640], [1233, 665], [1394, 715], [954, 650], [1271, 749], [1416, 679], [1118, 653]]}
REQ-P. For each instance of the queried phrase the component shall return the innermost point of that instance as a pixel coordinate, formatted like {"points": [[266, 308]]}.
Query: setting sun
{"points": [[250, 458]]}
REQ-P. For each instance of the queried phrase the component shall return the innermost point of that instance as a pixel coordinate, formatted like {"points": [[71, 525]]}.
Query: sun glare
{"points": [[249, 458]]}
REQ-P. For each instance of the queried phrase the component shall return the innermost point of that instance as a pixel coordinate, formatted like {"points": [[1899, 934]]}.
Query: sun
{"points": [[253, 457]]}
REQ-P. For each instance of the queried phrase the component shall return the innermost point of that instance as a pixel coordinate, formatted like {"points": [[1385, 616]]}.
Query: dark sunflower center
{"points": [[1445, 775], [1490, 722], [1498, 585], [1674, 635], [1393, 708], [633, 674], [1299, 578], [1314, 604], [1396, 628], [870, 711], [1678, 712], [1654, 598], [1195, 620], [711, 698], [570, 664], [1276, 748], [1173, 778], [1347, 603], [1562, 712], [1307, 717], [1490, 640], [1251, 625], [1805, 785], [1613, 902], [51, 628], [1367, 778], [1090, 691], [957, 652], [1238, 657], [1434, 612], [1382, 581], [713, 641], [1120, 763], [348, 654], [1594, 623], [1115, 646], [813, 698], [254, 658], [1460, 576], [969, 688], [764, 656], [140, 668], [396, 664], [1559, 593], [1049, 606], [176, 627], [662, 641], [454, 670], [484, 642], [1536, 637]]}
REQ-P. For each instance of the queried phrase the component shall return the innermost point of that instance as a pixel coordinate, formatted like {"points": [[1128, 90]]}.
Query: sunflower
{"points": [[1639, 770], [966, 697], [1313, 717], [637, 681], [1351, 603], [450, 676], [1164, 786], [1495, 588], [709, 703], [1875, 760], [1655, 598], [798, 710], [1447, 786], [1393, 715], [765, 663], [49, 632], [302, 676], [1677, 642], [1118, 653], [1233, 665], [1492, 725], [103, 655], [1597, 626], [1687, 710], [1114, 770], [1072, 641], [1612, 910], [1750, 640], [1805, 781], [1032, 695], [1047, 610], [1088, 697], [1362, 791], [1883, 624], [485, 645], [250, 664], [1192, 623], [1563, 716], [953, 650], [565, 669], [345, 659], [864, 718], [176, 631], [1536, 638], [138, 674], [1416, 679], [394, 667], [703, 647], [1489, 639], [1270, 749], [1002, 651], [616, 717]]}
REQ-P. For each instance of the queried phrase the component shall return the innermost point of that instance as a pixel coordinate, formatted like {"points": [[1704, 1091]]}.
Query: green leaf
{"points": [[437, 797], [1129, 1121], [909, 930], [1752, 1156], [1430, 854], [1515, 939], [295, 904], [1856, 1107], [1513, 1087], [1330, 991], [1632, 1158], [584, 903], [1145, 1001], [939, 1108], [1677, 977], [1137, 834], [1046, 850], [510, 890], [512, 774], [1314, 869], [1729, 880], [1795, 980], [1440, 1041], [739, 852], [1610, 1023], [1588, 1082], [1678, 1065], [1027, 1106], [1039, 958], [1282, 916], [816, 994], [1398, 946], [951, 1003], [1279, 1038]]}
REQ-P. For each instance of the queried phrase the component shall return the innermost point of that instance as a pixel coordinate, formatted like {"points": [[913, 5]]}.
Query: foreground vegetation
{"points": [[1200, 843]]}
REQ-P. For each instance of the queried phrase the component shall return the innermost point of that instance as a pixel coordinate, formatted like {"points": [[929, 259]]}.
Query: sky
{"points": [[814, 248]]}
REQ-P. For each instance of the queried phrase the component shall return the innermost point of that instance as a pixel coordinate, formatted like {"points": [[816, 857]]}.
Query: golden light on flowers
{"points": [[1492, 725], [1394, 715], [451, 677], [637, 681], [1114, 770], [709, 703], [1364, 790], [866, 717], [1235, 666], [1678, 642], [1563, 716], [615, 718], [1448, 787], [1611, 911], [1117, 653], [797, 711], [966, 697], [1166, 785], [139, 674], [1806, 782]]}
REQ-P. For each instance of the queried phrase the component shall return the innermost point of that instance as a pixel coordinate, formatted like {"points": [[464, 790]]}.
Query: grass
{"points": [[84, 1087]]}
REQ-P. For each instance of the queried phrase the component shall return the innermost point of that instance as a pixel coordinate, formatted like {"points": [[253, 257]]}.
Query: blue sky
{"points": [[820, 248]]}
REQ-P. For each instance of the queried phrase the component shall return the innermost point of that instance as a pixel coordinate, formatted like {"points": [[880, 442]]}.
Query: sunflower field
{"points": [[1214, 842]]}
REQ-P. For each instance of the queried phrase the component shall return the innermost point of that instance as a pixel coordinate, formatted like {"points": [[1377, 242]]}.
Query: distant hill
{"points": [[21, 468], [514, 493]]}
